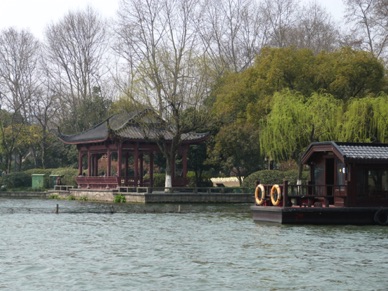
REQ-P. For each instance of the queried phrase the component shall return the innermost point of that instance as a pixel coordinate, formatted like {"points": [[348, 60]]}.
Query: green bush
{"points": [[205, 180], [68, 175], [119, 199], [17, 180], [273, 177], [159, 179]]}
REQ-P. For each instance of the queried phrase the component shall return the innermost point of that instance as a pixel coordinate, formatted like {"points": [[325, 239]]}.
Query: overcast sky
{"points": [[34, 15]]}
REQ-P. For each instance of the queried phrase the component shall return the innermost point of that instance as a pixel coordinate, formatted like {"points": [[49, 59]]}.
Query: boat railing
{"points": [[308, 195]]}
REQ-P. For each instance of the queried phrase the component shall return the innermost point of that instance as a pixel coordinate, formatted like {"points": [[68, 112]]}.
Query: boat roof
{"points": [[347, 151], [136, 126]]}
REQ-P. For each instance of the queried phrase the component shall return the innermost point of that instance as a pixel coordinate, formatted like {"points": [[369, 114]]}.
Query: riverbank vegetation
{"points": [[264, 78]]}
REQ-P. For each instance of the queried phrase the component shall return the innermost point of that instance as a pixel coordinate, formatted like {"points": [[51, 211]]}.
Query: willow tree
{"points": [[365, 120], [295, 121]]}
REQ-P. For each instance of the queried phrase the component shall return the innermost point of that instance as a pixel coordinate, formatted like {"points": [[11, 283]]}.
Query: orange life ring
{"points": [[260, 194], [276, 190]]}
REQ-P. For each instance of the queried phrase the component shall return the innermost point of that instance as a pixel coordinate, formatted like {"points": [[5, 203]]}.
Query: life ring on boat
{"points": [[381, 216], [275, 190], [259, 194]]}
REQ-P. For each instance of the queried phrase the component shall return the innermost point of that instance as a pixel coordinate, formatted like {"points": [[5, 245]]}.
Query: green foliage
{"points": [[325, 114], [119, 199], [233, 94], [238, 149], [17, 180], [273, 177], [53, 196], [366, 120], [203, 181], [348, 73], [159, 179], [281, 68], [287, 130], [68, 175]]}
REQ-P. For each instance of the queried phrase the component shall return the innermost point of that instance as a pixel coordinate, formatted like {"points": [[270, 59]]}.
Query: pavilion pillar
{"points": [[136, 165], [80, 155], [141, 170], [152, 169], [126, 168], [119, 159], [109, 163], [95, 165], [89, 163]]}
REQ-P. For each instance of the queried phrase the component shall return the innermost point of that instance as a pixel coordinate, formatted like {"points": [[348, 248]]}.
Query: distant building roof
{"points": [[362, 152], [139, 126]]}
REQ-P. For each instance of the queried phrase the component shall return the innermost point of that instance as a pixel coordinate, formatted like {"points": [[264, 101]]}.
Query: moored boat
{"points": [[348, 185]]}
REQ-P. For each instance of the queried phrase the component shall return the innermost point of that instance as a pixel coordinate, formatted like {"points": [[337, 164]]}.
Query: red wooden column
{"points": [[141, 169], [119, 161], [109, 163], [152, 169], [89, 163], [95, 165], [136, 165], [126, 168], [80, 155]]}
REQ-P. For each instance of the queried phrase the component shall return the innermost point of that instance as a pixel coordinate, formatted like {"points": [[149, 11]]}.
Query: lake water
{"points": [[91, 246]]}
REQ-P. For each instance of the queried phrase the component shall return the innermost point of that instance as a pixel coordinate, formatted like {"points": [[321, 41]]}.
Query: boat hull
{"points": [[321, 215]]}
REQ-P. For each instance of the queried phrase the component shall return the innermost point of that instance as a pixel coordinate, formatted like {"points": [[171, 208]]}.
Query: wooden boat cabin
{"points": [[348, 184], [349, 174], [120, 151]]}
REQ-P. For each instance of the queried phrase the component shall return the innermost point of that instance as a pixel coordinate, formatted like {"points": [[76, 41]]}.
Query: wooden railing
{"points": [[194, 190], [96, 182], [309, 195]]}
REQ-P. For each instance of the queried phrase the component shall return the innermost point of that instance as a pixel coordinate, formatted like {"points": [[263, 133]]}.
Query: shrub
{"points": [[17, 180], [119, 199], [273, 177], [67, 175], [159, 179]]}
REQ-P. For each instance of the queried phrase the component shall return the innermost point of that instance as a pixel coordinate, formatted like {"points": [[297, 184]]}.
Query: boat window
{"points": [[378, 180], [372, 182]]}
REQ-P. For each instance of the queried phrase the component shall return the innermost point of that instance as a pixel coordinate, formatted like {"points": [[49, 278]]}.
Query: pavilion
{"points": [[120, 151]]}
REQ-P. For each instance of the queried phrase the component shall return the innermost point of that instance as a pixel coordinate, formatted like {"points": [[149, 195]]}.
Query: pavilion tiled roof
{"points": [[130, 126], [362, 152]]}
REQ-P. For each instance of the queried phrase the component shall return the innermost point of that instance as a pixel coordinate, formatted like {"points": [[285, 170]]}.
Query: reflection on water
{"points": [[89, 246]]}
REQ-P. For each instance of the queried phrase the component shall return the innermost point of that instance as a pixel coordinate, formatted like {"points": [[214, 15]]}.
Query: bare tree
{"points": [[19, 84], [369, 25], [279, 15], [232, 32], [75, 52], [19, 56], [159, 40], [313, 29]]}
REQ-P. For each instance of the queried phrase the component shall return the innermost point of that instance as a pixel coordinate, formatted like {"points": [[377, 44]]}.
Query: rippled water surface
{"points": [[90, 246]]}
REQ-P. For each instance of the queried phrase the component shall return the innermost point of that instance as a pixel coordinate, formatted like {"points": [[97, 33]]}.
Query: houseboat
{"points": [[348, 184]]}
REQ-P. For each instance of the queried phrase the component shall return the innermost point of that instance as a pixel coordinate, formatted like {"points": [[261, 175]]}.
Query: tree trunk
{"points": [[168, 179]]}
